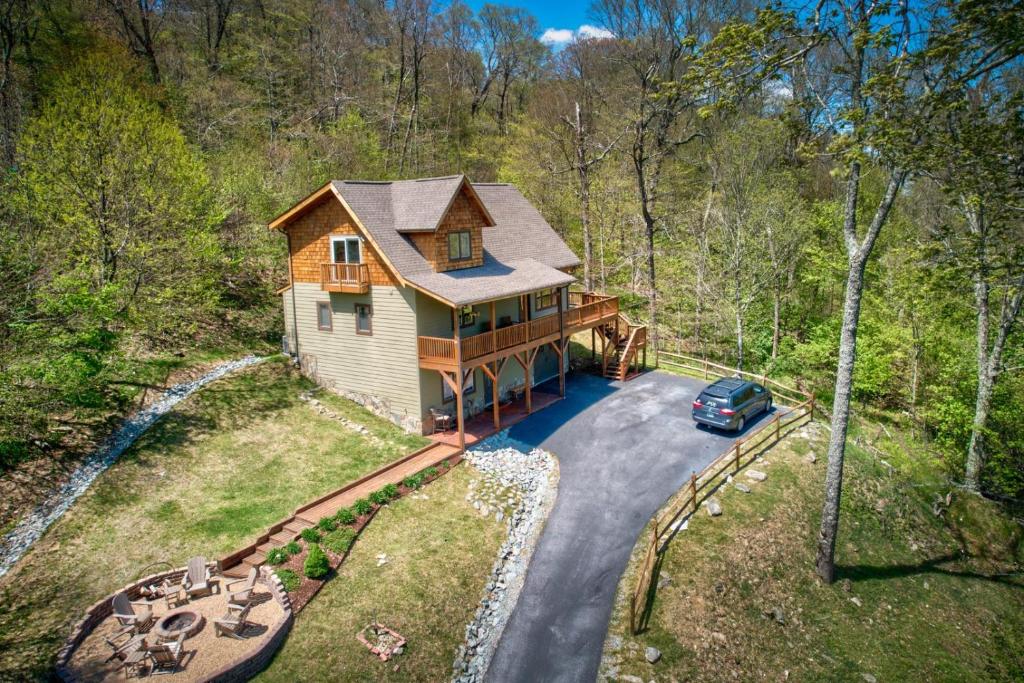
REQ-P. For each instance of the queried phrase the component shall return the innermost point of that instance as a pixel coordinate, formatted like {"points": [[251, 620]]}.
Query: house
{"points": [[437, 295]]}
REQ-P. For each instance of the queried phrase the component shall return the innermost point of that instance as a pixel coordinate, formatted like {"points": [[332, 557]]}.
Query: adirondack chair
{"points": [[233, 623], [123, 644], [198, 582], [441, 421], [167, 657], [247, 593], [138, 616]]}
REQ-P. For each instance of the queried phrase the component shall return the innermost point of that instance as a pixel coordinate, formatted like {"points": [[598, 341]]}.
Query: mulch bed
{"points": [[308, 588]]}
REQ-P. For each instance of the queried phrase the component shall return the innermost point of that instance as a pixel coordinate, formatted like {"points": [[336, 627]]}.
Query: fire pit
{"points": [[176, 622], [381, 641]]}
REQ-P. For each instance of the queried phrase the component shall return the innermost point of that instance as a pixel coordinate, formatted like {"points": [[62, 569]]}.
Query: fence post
{"points": [[778, 423], [705, 368], [737, 463], [632, 613], [812, 406], [693, 490]]}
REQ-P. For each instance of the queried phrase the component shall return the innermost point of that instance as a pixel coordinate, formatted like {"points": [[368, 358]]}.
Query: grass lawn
{"points": [[209, 477], [941, 597], [440, 552]]}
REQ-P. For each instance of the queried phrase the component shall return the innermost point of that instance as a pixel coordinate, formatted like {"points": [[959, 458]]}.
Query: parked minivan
{"points": [[730, 402]]}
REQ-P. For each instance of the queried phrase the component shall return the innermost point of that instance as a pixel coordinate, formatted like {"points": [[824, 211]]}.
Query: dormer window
{"points": [[460, 247], [346, 250]]}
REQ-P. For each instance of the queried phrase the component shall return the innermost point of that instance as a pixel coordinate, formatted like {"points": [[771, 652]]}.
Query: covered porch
{"points": [[479, 427], [503, 339]]}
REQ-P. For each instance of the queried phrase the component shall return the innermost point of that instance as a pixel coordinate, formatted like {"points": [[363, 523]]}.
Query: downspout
{"points": [[295, 315]]}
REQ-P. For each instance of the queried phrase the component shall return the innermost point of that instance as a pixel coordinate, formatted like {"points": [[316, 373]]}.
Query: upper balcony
{"points": [[346, 278], [586, 310]]}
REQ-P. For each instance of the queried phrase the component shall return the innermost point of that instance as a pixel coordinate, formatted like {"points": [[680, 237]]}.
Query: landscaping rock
{"points": [[652, 654], [629, 678], [741, 487], [663, 579], [719, 638], [14, 543], [856, 601], [869, 678], [521, 478], [811, 458], [714, 507], [756, 475], [614, 643]]}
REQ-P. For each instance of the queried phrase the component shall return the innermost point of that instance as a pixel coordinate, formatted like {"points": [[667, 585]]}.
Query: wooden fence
{"points": [[701, 486]]}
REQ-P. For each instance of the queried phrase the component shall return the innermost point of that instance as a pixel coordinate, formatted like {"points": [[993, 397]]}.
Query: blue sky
{"points": [[563, 17]]}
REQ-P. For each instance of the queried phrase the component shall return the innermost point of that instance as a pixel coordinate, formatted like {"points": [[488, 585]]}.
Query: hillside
{"points": [[925, 592]]}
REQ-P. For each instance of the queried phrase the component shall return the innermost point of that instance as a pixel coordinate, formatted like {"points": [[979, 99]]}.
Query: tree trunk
{"points": [[857, 254], [776, 309], [983, 399], [583, 173]]}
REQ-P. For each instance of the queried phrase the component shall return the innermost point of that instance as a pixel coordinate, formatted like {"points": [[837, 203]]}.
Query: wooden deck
{"points": [[586, 310], [481, 426]]}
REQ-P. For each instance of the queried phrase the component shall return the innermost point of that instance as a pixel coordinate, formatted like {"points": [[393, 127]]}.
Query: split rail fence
{"points": [[743, 451]]}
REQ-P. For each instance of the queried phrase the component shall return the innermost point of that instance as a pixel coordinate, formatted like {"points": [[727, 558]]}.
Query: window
{"points": [[467, 386], [546, 298], [324, 319], [460, 248], [364, 319], [466, 315], [346, 250]]}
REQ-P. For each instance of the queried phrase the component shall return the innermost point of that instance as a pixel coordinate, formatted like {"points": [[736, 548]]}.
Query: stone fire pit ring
{"points": [[178, 621]]}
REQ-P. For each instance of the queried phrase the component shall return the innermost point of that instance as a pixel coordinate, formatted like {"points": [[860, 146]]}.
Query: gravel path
{"points": [[16, 542]]}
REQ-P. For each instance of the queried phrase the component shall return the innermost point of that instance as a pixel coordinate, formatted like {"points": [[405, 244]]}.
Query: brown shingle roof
{"points": [[522, 253]]}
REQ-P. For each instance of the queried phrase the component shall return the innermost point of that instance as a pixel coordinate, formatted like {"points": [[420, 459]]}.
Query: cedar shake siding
{"points": [[309, 241], [379, 370], [463, 215]]}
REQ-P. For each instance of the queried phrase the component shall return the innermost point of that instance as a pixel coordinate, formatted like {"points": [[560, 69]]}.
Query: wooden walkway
{"points": [[239, 563]]}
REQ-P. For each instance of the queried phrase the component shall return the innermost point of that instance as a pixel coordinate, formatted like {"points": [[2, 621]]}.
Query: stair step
{"points": [[239, 571], [297, 525], [266, 547], [284, 536], [254, 560]]}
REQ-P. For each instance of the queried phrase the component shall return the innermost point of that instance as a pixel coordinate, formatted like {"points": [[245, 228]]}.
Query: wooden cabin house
{"points": [[420, 297]]}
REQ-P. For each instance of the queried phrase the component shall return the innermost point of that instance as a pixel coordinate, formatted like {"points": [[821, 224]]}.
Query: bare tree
{"points": [[139, 22]]}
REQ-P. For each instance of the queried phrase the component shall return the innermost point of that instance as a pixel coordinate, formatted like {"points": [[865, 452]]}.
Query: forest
{"points": [[762, 184]]}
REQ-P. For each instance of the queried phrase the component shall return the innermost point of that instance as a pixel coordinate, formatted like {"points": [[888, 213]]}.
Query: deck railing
{"points": [[348, 277], [584, 308]]}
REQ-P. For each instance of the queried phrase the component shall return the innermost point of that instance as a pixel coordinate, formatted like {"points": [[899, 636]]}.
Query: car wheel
{"points": [[741, 424]]}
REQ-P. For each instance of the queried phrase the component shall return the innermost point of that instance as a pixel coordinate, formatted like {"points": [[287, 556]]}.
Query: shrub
{"points": [[339, 541], [327, 524], [277, 556], [345, 516], [310, 535], [444, 465], [289, 579], [379, 497], [292, 548], [413, 482], [316, 565], [391, 491], [429, 472], [362, 506]]}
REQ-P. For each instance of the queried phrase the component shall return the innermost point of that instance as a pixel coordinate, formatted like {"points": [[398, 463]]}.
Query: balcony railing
{"points": [[585, 310], [347, 278]]}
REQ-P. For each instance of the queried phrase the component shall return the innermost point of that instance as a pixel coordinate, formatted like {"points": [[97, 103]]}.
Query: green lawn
{"points": [[208, 478], [941, 598], [440, 554]]}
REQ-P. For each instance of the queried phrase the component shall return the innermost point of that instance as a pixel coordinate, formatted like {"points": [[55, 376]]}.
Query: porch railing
{"points": [[345, 277], [584, 308]]}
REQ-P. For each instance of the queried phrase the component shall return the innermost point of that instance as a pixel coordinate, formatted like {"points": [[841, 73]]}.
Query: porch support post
{"points": [[593, 344], [494, 334], [527, 374], [458, 380], [493, 374], [561, 343]]}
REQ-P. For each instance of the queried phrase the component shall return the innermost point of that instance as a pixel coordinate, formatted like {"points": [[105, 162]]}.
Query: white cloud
{"points": [[588, 31], [560, 36], [556, 36]]}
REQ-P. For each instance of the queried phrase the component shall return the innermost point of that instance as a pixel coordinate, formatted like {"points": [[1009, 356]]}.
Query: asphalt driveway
{"points": [[623, 449]]}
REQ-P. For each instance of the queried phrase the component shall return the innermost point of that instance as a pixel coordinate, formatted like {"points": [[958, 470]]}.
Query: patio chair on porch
{"points": [[441, 421]]}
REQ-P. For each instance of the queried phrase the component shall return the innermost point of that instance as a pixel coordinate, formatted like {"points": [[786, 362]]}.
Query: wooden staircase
{"points": [[238, 564], [624, 342]]}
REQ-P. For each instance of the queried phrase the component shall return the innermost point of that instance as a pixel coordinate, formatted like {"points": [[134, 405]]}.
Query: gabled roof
{"points": [[522, 253]]}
